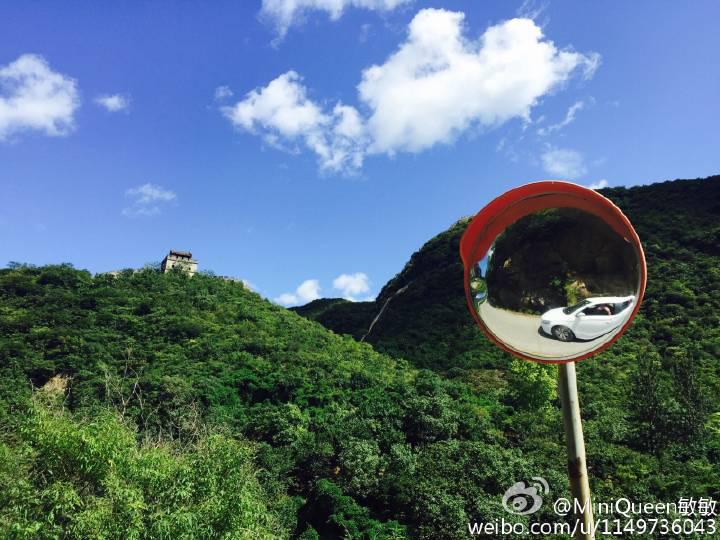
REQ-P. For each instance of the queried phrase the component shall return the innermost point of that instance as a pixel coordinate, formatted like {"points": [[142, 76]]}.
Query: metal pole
{"points": [[577, 466]]}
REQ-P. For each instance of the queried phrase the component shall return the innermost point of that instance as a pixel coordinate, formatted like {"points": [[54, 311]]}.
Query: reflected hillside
{"points": [[555, 258]]}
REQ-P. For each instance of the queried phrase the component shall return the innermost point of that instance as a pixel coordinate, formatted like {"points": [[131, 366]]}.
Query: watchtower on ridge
{"points": [[182, 259]]}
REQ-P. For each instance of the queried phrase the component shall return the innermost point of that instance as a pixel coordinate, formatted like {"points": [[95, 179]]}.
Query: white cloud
{"points": [[33, 97], [436, 86], [603, 183], [249, 285], [564, 163], [439, 83], [569, 119], [286, 299], [286, 13], [147, 200], [223, 92], [352, 285], [148, 193], [365, 30], [114, 102], [308, 291], [282, 114], [532, 9], [281, 106]]}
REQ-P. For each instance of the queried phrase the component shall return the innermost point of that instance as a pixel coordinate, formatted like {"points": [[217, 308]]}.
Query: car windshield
{"points": [[569, 310]]}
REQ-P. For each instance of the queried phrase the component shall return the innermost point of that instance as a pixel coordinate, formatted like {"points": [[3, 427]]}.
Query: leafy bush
{"points": [[75, 478]]}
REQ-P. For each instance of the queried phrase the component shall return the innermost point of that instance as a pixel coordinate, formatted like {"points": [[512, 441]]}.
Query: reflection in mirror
{"points": [[556, 284]]}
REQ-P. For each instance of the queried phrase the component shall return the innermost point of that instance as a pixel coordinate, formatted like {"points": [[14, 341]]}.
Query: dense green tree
{"points": [[74, 478]]}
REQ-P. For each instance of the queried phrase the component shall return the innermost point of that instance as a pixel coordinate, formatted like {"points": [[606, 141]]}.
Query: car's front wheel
{"points": [[563, 333]]}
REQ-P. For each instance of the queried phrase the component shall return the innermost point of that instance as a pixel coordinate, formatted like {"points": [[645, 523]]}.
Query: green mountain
{"points": [[651, 400], [421, 313], [425, 318], [170, 392], [155, 405]]}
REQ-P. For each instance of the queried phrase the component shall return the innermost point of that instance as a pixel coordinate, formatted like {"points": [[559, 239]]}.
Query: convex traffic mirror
{"points": [[554, 272]]}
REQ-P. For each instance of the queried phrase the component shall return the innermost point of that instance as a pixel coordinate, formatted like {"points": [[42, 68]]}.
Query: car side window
{"points": [[621, 306], [598, 311]]}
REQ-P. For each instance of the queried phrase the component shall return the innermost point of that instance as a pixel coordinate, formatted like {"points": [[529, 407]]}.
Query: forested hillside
{"points": [[171, 392], [651, 401], [425, 318], [161, 406]]}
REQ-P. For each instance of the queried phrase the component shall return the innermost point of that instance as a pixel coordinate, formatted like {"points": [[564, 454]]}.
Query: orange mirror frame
{"points": [[521, 201]]}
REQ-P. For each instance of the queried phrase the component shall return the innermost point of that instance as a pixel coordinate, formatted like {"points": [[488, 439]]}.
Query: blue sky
{"points": [[310, 147]]}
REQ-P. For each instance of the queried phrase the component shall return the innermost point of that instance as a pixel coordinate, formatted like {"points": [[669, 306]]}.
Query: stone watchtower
{"points": [[181, 259]]}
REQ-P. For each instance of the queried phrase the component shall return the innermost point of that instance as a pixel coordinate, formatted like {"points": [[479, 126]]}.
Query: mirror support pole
{"points": [[577, 466]]}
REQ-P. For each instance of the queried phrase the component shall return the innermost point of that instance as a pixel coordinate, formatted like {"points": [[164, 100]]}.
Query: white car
{"points": [[589, 319]]}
